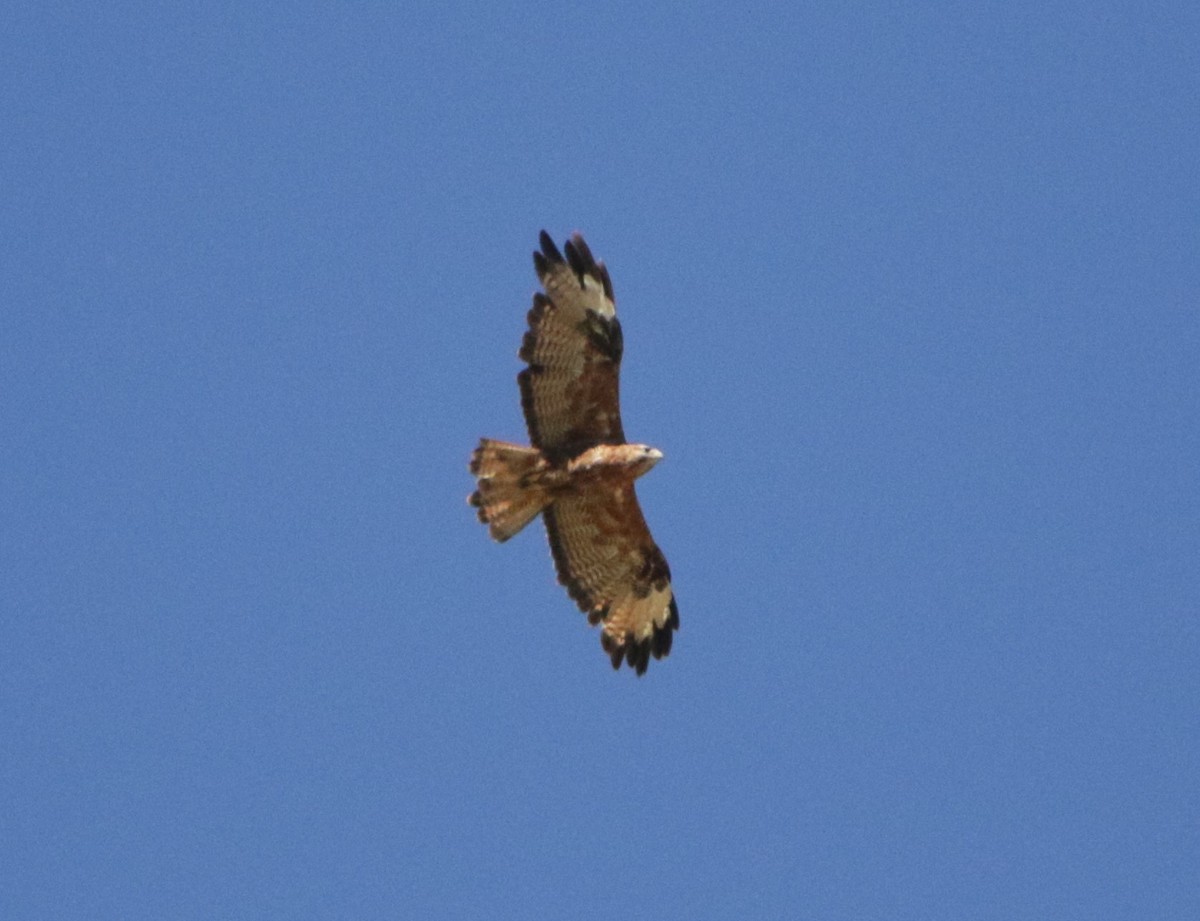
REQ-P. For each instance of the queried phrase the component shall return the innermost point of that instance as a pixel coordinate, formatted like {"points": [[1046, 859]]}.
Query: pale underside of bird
{"points": [[578, 472]]}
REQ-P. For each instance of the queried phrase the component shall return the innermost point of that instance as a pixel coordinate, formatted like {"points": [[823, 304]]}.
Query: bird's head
{"points": [[643, 457]]}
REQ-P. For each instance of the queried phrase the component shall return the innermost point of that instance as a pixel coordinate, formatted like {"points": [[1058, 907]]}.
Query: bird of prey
{"points": [[579, 472]]}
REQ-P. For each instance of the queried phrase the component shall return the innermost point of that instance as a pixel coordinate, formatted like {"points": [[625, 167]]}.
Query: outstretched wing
{"points": [[573, 348], [614, 571]]}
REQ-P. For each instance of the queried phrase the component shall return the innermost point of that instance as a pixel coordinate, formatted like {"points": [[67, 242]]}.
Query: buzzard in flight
{"points": [[579, 472]]}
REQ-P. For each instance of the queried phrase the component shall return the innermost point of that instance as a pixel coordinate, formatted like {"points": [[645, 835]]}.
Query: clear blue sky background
{"points": [[911, 302]]}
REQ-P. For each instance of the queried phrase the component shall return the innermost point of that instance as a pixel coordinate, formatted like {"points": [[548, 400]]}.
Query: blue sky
{"points": [[911, 303]]}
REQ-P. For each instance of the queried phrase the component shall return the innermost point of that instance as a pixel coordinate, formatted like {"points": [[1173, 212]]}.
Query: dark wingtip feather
{"points": [[548, 254], [664, 635], [580, 258], [661, 642], [638, 657], [549, 250], [616, 652], [606, 281]]}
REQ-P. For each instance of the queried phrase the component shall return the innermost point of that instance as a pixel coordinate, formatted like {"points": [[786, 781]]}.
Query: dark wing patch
{"points": [[573, 347], [605, 336], [614, 571]]}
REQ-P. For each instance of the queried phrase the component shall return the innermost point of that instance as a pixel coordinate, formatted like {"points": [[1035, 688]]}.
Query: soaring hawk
{"points": [[579, 472]]}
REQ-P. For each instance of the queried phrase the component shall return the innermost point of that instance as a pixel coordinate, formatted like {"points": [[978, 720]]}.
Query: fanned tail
{"points": [[511, 492]]}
